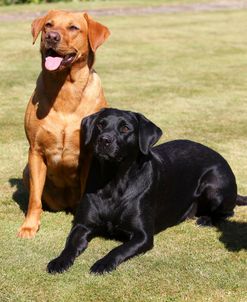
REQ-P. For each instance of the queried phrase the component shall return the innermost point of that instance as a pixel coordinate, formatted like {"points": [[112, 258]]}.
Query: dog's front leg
{"points": [[140, 243], [76, 243], [37, 175]]}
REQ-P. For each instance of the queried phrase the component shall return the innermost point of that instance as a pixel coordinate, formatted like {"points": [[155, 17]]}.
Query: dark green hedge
{"points": [[9, 2]]}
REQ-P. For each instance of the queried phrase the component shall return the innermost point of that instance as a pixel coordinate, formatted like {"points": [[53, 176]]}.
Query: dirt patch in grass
{"points": [[127, 11]]}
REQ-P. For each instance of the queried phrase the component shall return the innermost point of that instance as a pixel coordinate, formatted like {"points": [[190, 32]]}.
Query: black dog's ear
{"points": [[87, 126], [149, 134]]}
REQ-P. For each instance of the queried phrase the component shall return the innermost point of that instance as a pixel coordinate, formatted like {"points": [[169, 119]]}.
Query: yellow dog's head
{"points": [[67, 38]]}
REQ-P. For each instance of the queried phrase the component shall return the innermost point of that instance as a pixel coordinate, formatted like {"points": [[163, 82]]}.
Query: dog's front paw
{"points": [[204, 221], [59, 265], [28, 229], [104, 265]]}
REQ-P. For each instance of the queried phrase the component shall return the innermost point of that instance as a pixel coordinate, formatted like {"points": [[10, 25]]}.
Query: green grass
{"points": [[95, 4], [187, 73]]}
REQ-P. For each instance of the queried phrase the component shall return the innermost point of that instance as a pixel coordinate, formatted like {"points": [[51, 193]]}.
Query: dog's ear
{"points": [[37, 26], [97, 33], [87, 126], [149, 133]]}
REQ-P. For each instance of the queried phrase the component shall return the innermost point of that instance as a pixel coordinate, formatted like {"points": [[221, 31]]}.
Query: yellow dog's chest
{"points": [[59, 141]]}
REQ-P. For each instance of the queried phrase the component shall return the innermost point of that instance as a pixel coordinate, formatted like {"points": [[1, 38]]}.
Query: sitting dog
{"points": [[67, 89], [135, 191]]}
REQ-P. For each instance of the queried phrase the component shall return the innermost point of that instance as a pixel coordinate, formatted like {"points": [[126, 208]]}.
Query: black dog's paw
{"points": [[204, 221], [58, 265], [102, 266]]}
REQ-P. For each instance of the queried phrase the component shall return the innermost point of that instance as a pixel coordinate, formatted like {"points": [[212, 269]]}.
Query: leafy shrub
{"points": [[9, 2]]}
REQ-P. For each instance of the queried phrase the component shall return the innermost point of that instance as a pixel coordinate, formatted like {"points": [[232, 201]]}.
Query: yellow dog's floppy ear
{"points": [[97, 33], [37, 26]]}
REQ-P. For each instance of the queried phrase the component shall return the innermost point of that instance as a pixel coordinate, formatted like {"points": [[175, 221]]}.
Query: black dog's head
{"points": [[118, 134]]}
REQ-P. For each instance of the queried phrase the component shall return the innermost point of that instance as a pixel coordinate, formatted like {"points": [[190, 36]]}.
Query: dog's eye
{"points": [[124, 129], [48, 25], [73, 28], [100, 126]]}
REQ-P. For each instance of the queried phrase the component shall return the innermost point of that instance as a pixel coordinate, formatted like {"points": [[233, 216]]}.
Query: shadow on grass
{"points": [[233, 235], [20, 196]]}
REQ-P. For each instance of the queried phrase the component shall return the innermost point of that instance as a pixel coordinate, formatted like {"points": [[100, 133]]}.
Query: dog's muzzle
{"points": [[105, 141], [106, 147], [52, 38]]}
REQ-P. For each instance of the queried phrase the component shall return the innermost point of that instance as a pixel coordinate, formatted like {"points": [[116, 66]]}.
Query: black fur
{"points": [[135, 191]]}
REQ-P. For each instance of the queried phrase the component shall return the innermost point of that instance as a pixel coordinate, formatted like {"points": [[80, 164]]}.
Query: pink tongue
{"points": [[52, 63]]}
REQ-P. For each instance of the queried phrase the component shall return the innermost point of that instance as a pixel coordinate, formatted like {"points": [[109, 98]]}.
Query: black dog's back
{"points": [[203, 175], [187, 152]]}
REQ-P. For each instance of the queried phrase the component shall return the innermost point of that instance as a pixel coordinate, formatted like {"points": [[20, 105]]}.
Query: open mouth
{"points": [[53, 60]]}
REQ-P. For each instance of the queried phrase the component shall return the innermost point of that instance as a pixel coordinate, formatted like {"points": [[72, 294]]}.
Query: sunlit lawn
{"points": [[186, 72]]}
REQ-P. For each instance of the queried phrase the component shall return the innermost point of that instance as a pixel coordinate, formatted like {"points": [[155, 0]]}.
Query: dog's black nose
{"points": [[105, 140], [53, 37]]}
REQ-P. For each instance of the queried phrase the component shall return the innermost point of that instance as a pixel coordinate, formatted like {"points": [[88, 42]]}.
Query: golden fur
{"points": [[54, 113]]}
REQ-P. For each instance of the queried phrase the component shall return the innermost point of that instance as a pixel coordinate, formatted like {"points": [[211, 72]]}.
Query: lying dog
{"points": [[67, 90], [135, 191]]}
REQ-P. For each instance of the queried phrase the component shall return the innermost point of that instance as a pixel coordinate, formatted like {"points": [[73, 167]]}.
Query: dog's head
{"points": [[118, 134], [68, 37]]}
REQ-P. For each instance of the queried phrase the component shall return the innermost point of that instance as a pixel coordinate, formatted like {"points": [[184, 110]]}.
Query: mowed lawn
{"points": [[186, 72]]}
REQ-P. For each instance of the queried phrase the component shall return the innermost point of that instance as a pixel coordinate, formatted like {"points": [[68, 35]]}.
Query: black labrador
{"points": [[135, 191]]}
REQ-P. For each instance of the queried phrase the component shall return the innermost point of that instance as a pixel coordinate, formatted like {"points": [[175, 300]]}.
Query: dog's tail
{"points": [[241, 200]]}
